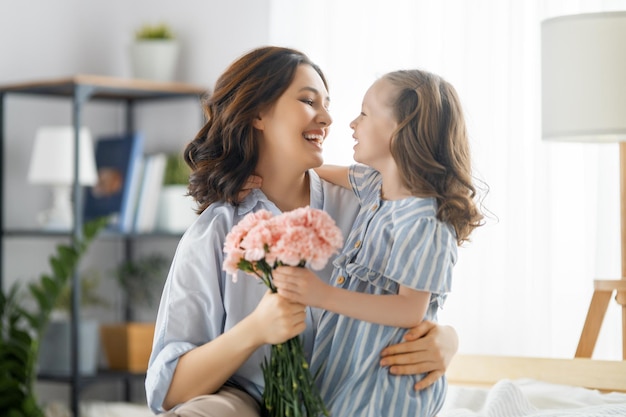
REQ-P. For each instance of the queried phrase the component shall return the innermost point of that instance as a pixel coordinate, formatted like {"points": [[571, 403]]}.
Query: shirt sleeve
{"points": [[365, 182], [191, 309], [425, 254]]}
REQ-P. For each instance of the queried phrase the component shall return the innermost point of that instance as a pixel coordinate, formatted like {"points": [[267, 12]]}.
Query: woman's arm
{"points": [[335, 174], [427, 348], [205, 369], [301, 285]]}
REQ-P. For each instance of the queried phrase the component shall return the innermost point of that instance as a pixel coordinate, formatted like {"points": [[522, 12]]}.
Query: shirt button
{"points": [[341, 279], [357, 244], [374, 207]]}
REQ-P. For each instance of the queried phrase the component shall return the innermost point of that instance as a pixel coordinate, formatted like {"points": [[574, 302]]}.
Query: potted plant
{"points": [[176, 208], [54, 356], [21, 328], [154, 53], [127, 345]]}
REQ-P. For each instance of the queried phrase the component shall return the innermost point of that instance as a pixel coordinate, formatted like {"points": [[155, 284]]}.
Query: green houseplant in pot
{"points": [[21, 328], [127, 345], [54, 356], [154, 53]]}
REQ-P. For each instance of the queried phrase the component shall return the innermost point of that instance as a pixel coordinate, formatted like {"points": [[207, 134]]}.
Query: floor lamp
{"points": [[583, 70]]}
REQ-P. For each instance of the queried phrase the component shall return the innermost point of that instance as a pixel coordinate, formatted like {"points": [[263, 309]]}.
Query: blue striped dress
{"points": [[392, 243]]}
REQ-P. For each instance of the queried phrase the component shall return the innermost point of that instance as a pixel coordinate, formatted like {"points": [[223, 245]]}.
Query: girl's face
{"points": [[295, 127], [374, 126]]}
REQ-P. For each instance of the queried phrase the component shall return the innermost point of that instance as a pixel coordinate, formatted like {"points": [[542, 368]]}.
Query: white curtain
{"points": [[523, 285]]}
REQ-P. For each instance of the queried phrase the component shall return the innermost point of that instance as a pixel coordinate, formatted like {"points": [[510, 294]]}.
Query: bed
{"points": [[501, 386]]}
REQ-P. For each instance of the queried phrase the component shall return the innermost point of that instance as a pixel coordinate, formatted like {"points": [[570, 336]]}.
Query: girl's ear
{"points": [[257, 123]]}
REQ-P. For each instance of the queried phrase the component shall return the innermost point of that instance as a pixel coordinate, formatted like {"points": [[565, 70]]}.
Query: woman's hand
{"points": [[299, 285], [278, 319], [428, 348]]}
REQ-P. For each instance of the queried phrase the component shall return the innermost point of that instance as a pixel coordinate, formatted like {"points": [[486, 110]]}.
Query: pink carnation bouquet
{"points": [[256, 245]]}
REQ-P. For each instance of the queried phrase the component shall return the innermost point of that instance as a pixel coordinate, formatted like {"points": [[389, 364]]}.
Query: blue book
{"points": [[118, 160]]}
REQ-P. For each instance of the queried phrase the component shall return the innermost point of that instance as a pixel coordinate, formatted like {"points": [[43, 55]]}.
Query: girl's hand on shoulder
{"points": [[278, 319], [300, 285], [427, 348]]}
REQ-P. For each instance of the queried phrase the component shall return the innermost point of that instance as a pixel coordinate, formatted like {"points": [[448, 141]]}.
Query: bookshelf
{"points": [[81, 89]]}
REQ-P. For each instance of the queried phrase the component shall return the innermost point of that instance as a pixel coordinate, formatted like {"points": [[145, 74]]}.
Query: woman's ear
{"points": [[257, 123]]}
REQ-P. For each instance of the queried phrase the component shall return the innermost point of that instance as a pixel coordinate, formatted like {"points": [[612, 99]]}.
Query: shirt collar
{"points": [[257, 198]]}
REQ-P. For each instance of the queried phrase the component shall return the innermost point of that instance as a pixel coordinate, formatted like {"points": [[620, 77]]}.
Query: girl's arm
{"points": [[336, 174], [406, 309], [205, 369]]}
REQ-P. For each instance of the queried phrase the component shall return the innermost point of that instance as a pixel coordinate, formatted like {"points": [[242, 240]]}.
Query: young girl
{"points": [[268, 116], [416, 205]]}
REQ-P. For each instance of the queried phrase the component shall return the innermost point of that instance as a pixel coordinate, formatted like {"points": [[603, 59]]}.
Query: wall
{"points": [[40, 39]]}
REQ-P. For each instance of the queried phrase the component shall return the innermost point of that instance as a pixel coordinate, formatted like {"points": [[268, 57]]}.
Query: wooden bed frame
{"points": [[484, 370]]}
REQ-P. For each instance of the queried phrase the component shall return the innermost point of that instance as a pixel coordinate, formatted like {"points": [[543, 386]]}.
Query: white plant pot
{"points": [[176, 210], [54, 350], [154, 59]]}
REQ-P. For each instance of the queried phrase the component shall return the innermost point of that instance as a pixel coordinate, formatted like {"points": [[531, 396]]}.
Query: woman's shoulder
{"points": [[217, 217]]}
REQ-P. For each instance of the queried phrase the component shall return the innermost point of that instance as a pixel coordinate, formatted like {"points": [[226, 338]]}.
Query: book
{"points": [[148, 199], [118, 161]]}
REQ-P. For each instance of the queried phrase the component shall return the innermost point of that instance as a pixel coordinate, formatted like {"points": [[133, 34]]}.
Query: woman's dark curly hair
{"points": [[225, 151], [431, 147]]}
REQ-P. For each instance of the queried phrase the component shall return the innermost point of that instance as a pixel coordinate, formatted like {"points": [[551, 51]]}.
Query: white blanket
{"points": [[529, 398]]}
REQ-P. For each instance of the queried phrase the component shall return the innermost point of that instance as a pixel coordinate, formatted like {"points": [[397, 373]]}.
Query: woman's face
{"points": [[295, 127], [374, 126]]}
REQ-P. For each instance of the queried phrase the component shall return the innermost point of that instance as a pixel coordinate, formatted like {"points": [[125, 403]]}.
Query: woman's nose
{"points": [[324, 117]]}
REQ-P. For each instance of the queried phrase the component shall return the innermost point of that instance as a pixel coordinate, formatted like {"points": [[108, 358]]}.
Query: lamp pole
{"points": [[621, 294]]}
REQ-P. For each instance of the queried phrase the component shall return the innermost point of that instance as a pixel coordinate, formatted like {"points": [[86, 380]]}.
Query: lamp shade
{"points": [[583, 71], [52, 160]]}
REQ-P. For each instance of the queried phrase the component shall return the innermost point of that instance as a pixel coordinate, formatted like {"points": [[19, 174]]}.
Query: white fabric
{"points": [[530, 398]]}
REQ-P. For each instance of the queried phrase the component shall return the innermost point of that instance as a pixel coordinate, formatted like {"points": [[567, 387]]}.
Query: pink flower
{"points": [[304, 235]]}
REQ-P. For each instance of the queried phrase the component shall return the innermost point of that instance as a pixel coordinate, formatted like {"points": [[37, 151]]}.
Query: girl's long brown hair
{"points": [[225, 152], [431, 147]]}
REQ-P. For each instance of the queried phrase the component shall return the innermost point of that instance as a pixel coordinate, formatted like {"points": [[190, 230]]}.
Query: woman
{"points": [[268, 116]]}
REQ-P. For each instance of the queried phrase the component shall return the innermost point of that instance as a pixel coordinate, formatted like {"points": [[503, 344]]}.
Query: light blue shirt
{"points": [[392, 243], [200, 301]]}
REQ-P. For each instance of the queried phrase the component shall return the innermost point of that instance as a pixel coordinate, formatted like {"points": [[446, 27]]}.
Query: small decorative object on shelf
{"points": [[127, 345], [118, 159], [154, 53], [177, 210], [257, 245], [52, 163]]}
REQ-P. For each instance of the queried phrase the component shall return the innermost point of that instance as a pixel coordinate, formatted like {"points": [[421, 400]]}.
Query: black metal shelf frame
{"points": [[80, 90]]}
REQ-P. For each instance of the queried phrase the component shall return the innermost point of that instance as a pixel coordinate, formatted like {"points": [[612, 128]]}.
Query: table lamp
{"points": [[52, 163], [583, 76]]}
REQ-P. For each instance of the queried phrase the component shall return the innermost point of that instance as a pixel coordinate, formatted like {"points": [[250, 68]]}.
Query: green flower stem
{"points": [[289, 386]]}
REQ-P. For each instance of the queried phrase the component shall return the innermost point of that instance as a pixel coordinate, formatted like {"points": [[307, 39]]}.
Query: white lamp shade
{"points": [[583, 70], [52, 160]]}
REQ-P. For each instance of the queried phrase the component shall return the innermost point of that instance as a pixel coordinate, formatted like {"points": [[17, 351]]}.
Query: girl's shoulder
{"points": [[365, 181]]}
